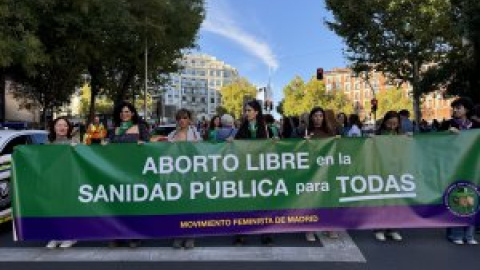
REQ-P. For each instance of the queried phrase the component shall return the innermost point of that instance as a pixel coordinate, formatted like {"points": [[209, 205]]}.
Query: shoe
{"points": [[114, 244], [189, 243], [177, 243], [472, 242], [458, 242], [133, 243], [380, 236], [239, 241], [331, 235], [67, 244], [310, 236], [52, 244], [395, 235], [267, 240]]}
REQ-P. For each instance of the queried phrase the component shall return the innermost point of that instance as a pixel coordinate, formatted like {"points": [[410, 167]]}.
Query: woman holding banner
{"points": [[128, 129], [253, 127], [391, 125], [185, 132], [321, 124], [462, 109], [60, 132]]}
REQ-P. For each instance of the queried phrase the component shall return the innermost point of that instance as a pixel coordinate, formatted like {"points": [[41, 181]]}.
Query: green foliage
{"points": [[301, 97], [234, 95], [49, 44], [396, 37], [392, 99], [221, 110]]}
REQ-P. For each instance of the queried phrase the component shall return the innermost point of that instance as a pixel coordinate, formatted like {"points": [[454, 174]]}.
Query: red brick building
{"points": [[360, 92]]}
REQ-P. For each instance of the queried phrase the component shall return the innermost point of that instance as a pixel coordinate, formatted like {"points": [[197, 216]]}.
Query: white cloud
{"points": [[220, 21]]}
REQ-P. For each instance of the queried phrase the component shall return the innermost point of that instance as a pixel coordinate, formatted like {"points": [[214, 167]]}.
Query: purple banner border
{"points": [[166, 226]]}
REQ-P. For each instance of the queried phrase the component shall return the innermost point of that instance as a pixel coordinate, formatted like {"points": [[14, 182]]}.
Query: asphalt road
{"points": [[421, 249]]}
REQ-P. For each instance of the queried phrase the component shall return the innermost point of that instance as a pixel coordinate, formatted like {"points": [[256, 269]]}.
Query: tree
{"points": [[392, 99], [105, 38], [400, 38], [103, 104], [126, 30], [280, 107], [234, 95], [20, 48], [459, 72], [220, 110], [294, 93], [302, 98]]}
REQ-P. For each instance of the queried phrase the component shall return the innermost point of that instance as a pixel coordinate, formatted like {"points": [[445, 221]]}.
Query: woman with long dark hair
{"points": [[320, 125], [215, 125], [128, 128], [253, 124], [253, 127], [391, 125]]}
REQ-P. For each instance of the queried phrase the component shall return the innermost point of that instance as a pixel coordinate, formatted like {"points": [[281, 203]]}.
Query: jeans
{"points": [[460, 233]]}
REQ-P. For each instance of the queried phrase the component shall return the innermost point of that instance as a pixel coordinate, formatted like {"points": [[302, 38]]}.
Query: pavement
{"points": [[421, 249]]}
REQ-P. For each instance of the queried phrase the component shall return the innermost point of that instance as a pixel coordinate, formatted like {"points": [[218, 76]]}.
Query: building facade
{"points": [[361, 92], [197, 86]]}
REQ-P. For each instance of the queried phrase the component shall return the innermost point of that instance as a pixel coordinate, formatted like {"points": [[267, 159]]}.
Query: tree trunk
{"points": [[2, 96], [95, 89], [416, 92]]}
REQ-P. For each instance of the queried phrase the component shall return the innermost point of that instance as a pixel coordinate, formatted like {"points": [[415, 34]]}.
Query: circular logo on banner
{"points": [[462, 199]]}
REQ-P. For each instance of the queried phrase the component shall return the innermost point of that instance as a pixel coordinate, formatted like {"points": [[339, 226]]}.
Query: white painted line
{"points": [[378, 197]]}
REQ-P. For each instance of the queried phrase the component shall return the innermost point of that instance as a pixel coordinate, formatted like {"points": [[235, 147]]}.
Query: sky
{"points": [[287, 37]]}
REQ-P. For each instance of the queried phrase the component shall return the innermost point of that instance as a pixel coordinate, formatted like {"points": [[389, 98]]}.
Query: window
{"points": [[212, 100], [38, 138]]}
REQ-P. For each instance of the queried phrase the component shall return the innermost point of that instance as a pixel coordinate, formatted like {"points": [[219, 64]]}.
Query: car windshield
{"points": [[163, 130]]}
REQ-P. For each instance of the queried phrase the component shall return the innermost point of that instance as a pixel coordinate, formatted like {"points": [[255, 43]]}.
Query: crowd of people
{"points": [[318, 123]]}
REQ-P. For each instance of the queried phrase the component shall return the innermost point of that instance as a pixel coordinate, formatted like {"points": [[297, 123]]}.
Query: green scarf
{"points": [[124, 126], [252, 127]]}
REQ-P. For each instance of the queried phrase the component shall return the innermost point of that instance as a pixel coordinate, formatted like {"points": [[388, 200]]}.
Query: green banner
{"points": [[293, 185]]}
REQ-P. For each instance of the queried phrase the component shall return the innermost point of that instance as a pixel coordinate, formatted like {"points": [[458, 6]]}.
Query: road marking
{"points": [[342, 249]]}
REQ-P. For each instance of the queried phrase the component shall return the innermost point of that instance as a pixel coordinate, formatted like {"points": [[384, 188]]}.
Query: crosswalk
{"points": [[342, 249]]}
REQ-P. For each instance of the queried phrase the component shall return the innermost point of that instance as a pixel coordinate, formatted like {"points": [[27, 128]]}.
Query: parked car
{"points": [[160, 133], [8, 140]]}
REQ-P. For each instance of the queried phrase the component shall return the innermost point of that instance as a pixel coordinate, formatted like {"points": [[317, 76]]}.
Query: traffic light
{"points": [[374, 103], [319, 74]]}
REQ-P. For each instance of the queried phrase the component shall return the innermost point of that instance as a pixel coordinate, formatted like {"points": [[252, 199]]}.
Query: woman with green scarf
{"points": [[128, 129]]}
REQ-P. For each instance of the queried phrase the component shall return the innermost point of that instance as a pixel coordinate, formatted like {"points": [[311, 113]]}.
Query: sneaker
{"points": [[177, 243], [67, 244], [114, 244], [395, 236], [331, 235], [189, 243], [239, 241], [310, 236], [133, 243], [458, 242], [52, 244], [472, 242], [267, 240], [380, 236]]}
